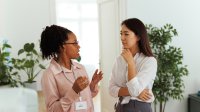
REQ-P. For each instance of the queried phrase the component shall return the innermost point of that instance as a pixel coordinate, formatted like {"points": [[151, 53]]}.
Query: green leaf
{"points": [[29, 64], [5, 45], [79, 59], [20, 51], [28, 47], [41, 66], [35, 52]]}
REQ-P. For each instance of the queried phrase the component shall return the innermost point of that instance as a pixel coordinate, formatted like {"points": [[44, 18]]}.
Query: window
{"points": [[81, 17]]}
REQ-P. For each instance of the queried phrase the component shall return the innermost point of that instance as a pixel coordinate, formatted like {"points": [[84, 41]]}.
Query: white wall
{"points": [[22, 21], [184, 15]]}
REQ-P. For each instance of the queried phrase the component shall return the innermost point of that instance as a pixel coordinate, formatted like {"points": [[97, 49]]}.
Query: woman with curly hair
{"points": [[65, 83]]}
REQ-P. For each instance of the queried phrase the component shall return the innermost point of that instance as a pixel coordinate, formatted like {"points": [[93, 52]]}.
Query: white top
{"points": [[146, 72]]}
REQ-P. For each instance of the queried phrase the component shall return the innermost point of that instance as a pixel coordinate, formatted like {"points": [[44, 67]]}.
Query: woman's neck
{"points": [[66, 62], [134, 50]]}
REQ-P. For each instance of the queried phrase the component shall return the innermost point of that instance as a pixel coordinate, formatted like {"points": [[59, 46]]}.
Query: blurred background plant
{"points": [[28, 62], [168, 82], [7, 75]]}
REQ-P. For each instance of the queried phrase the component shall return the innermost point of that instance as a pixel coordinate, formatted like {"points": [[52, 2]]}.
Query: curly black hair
{"points": [[52, 38]]}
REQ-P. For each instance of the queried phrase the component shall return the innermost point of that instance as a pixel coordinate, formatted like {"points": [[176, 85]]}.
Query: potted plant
{"points": [[7, 76], [29, 62], [168, 82]]}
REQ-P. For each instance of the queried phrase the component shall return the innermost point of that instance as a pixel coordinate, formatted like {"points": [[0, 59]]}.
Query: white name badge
{"points": [[81, 105]]}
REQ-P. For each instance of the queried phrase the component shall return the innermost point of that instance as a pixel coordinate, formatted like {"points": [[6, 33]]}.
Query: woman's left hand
{"points": [[96, 78], [145, 95]]}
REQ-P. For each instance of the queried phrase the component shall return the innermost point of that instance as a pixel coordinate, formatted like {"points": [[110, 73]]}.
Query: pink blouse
{"points": [[57, 85]]}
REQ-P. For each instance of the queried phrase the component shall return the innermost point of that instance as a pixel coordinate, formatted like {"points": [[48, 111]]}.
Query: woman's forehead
{"points": [[71, 36], [125, 29]]}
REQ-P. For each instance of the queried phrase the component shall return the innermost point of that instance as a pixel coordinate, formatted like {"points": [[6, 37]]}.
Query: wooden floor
{"points": [[41, 102]]}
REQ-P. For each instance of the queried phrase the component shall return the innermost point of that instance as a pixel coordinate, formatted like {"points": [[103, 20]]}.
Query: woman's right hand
{"points": [[127, 55], [145, 95], [80, 83]]}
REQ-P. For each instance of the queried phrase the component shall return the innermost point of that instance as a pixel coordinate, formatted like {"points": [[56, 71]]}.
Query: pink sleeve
{"points": [[54, 103], [95, 91]]}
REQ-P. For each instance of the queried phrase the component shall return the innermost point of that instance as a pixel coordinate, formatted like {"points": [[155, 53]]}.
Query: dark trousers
{"points": [[137, 106]]}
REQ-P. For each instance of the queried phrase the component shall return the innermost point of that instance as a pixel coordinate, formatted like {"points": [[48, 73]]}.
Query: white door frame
{"points": [[111, 13]]}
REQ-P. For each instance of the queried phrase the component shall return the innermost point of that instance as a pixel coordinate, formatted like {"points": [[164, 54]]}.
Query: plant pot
{"points": [[5, 86], [32, 85]]}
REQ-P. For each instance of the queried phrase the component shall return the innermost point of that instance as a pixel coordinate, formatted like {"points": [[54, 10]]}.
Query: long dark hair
{"points": [[52, 38], [139, 29]]}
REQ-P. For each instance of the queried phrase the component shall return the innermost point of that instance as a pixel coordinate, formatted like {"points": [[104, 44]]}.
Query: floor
{"points": [[41, 102], [96, 100]]}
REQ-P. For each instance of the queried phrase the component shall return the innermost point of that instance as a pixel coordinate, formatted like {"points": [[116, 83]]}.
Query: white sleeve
{"points": [[113, 88], [144, 78]]}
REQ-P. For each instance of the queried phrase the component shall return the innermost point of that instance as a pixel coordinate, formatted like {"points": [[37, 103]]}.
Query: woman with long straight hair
{"points": [[134, 70]]}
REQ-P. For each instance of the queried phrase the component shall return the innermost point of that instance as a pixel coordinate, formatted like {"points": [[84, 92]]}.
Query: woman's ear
{"points": [[138, 38], [62, 48]]}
